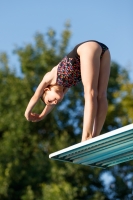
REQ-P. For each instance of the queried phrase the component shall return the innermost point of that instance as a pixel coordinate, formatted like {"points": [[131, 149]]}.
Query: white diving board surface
{"points": [[103, 151]]}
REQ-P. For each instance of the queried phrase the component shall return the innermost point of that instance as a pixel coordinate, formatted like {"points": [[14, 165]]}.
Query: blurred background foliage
{"points": [[26, 173]]}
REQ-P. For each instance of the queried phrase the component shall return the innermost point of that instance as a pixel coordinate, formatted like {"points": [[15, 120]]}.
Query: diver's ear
{"points": [[46, 89]]}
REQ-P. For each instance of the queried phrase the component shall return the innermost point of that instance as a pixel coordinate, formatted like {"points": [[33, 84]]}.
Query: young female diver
{"points": [[90, 62]]}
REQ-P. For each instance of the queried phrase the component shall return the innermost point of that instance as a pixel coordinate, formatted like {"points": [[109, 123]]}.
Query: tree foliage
{"points": [[25, 170]]}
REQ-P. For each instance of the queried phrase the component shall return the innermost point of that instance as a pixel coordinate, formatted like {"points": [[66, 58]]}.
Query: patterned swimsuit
{"points": [[68, 72]]}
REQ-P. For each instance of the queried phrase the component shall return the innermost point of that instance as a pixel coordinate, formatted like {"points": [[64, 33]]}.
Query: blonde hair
{"points": [[43, 97], [44, 94]]}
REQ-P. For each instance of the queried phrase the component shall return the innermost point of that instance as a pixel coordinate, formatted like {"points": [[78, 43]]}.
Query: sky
{"points": [[108, 21]]}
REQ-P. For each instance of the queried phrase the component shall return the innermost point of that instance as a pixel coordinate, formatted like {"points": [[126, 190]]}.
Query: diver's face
{"points": [[52, 97]]}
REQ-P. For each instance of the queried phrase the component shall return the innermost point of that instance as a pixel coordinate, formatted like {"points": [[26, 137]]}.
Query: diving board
{"points": [[103, 151]]}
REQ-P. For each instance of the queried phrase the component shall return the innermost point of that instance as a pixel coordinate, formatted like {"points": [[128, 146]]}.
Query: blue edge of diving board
{"points": [[103, 151]]}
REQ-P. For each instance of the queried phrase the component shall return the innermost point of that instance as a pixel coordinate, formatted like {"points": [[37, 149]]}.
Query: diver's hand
{"points": [[34, 117]]}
